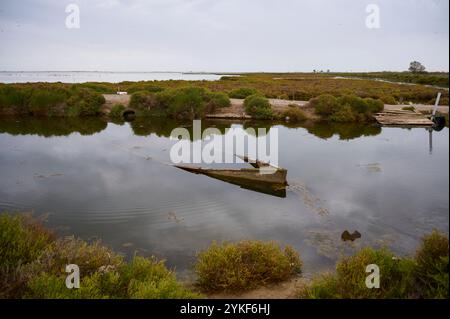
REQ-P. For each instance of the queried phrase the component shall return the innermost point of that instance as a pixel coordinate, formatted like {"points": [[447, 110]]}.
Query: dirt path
{"points": [[284, 290], [112, 99]]}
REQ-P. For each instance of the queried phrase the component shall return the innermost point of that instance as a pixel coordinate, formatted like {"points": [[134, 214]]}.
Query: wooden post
{"points": [[436, 104]]}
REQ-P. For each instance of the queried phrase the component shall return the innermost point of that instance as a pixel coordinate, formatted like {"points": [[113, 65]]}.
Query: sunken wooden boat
{"points": [[263, 177]]}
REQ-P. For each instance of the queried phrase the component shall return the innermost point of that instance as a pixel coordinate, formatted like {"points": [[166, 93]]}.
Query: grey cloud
{"points": [[223, 35]]}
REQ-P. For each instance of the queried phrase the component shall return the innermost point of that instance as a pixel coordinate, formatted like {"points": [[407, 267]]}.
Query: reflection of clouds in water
{"points": [[312, 202], [328, 242]]}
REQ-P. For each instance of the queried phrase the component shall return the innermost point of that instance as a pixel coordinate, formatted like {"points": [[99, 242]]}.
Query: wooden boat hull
{"points": [[253, 179], [249, 174]]}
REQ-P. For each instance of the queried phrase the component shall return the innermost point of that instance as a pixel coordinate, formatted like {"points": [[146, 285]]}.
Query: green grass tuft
{"points": [[245, 265]]}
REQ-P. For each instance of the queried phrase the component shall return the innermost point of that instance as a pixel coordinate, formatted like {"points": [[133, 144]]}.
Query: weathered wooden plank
{"points": [[402, 117]]}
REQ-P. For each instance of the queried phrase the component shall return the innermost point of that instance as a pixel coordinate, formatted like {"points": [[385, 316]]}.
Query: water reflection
{"points": [[142, 126]]}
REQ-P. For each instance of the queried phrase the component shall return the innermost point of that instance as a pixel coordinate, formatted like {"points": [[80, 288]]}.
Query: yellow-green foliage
{"points": [[325, 104], [426, 276], [50, 99], [117, 110], [349, 281], [432, 266], [32, 265], [388, 99], [409, 108], [179, 103], [84, 102], [143, 278], [295, 114], [245, 265], [242, 93], [258, 107], [143, 100], [22, 239], [215, 100], [346, 108], [70, 250]]}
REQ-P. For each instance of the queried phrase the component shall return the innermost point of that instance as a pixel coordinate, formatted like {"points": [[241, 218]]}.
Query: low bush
{"points": [[22, 239], [215, 100], [409, 108], [143, 101], [46, 102], [13, 97], [51, 100], [141, 278], [245, 265], [388, 99], [325, 104], [425, 276], [349, 281], [116, 111], [185, 103], [242, 93], [84, 102], [32, 265], [294, 114], [180, 103], [346, 108], [345, 114], [258, 107], [432, 266], [374, 106]]}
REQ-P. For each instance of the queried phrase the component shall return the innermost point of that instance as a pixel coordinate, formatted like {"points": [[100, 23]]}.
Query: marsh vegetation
{"points": [[33, 260]]}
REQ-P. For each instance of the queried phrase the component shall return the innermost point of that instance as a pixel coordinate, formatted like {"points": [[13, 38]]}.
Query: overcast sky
{"points": [[223, 35]]}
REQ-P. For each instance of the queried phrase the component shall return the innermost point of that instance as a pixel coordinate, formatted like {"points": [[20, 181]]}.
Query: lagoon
{"points": [[99, 76], [114, 182]]}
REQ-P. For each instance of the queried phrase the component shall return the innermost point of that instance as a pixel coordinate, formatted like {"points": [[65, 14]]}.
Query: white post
{"points": [[436, 104]]}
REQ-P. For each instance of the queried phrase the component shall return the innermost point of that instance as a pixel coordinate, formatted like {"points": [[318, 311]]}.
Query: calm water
{"points": [[111, 181], [113, 77]]}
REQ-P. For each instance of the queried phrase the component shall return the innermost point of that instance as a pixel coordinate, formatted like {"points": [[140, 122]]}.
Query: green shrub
{"points": [[84, 102], [22, 239], [142, 278], [388, 99], [432, 266], [33, 266], [325, 104], [13, 97], [117, 110], [295, 114], [144, 87], [143, 100], [258, 106], [396, 278], [409, 108], [374, 106], [49, 286], [357, 104], [90, 257], [426, 276], [215, 100], [242, 93], [185, 103], [41, 102], [149, 278], [347, 108], [344, 115], [245, 265]]}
